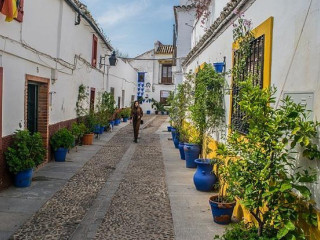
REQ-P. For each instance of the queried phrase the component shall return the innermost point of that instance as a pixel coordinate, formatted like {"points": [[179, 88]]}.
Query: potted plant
{"points": [[125, 113], [60, 142], [26, 153], [117, 117], [78, 130], [90, 122], [157, 106]]}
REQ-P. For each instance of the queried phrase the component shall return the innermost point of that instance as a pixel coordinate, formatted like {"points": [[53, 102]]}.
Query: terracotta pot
{"points": [[87, 139]]}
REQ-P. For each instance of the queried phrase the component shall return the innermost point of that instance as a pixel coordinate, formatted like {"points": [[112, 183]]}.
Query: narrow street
{"points": [[119, 192]]}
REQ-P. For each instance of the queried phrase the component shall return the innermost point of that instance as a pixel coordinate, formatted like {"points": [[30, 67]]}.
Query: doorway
{"points": [[33, 107]]}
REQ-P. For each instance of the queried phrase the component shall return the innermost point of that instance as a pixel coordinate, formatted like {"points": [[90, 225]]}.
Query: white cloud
{"points": [[121, 13]]}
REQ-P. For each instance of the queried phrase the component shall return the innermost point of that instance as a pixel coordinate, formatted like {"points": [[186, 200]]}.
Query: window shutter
{"points": [[94, 51], [20, 11]]}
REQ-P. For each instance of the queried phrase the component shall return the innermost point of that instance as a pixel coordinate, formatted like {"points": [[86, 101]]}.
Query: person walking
{"points": [[136, 115]]}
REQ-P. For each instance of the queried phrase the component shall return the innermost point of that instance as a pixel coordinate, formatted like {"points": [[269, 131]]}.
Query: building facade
{"points": [[45, 56], [287, 44], [155, 78]]}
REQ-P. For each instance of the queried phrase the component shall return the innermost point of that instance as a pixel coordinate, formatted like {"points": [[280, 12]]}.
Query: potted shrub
{"points": [[78, 130], [60, 142], [208, 115], [125, 113], [26, 153], [157, 106], [90, 122]]}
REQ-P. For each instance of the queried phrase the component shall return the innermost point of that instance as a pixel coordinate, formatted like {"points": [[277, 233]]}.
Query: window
{"points": [[166, 74], [132, 98], [94, 51], [112, 91], [19, 18], [141, 77], [163, 96], [119, 102], [255, 67], [33, 107]]}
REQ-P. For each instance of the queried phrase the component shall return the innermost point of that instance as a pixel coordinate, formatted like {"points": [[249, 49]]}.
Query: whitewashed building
{"points": [[45, 56], [287, 38], [185, 14], [155, 80]]}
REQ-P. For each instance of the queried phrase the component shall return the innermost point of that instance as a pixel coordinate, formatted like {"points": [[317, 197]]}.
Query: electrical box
{"points": [[304, 98]]}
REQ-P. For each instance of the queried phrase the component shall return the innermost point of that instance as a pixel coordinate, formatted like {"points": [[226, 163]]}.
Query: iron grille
{"points": [[254, 66]]}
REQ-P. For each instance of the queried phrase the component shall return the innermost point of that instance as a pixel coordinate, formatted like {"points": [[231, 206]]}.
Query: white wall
{"points": [[295, 52], [51, 32]]}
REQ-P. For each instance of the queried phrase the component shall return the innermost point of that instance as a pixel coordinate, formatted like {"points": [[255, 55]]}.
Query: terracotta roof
{"points": [[226, 15], [165, 49]]}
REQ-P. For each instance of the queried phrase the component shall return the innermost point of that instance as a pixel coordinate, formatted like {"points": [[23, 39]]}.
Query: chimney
{"points": [[156, 45]]}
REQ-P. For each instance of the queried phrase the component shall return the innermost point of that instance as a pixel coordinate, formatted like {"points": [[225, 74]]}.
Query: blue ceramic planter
{"points": [[111, 123], [23, 179], [169, 128], [148, 112], [176, 142], [117, 122], [60, 154], [218, 66], [221, 212], [125, 119], [191, 152], [101, 129], [173, 133], [181, 150], [204, 178], [96, 129]]}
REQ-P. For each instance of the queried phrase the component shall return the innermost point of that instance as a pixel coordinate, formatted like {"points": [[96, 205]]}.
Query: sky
{"points": [[134, 25]]}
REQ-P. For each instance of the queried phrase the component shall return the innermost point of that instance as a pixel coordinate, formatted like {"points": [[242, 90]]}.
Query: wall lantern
{"points": [[113, 59]]}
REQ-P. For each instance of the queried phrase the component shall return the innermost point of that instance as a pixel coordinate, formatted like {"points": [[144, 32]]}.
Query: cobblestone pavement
{"points": [[140, 208]]}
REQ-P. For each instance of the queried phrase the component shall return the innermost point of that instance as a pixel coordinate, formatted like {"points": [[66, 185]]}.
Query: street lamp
{"points": [[113, 59]]}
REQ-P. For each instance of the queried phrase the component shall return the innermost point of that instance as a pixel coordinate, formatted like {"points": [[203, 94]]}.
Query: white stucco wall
{"points": [[152, 70], [51, 31], [295, 53]]}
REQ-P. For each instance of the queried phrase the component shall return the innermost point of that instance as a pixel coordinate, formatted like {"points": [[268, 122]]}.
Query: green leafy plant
{"points": [[90, 122], [179, 103], [105, 108], [126, 112], [82, 102], [63, 138], [264, 176], [157, 106], [78, 130], [207, 112], [26, 152], [240, 231]]}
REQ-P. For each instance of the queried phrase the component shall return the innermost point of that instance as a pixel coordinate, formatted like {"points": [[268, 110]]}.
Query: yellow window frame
{"points": [[266, 29]]}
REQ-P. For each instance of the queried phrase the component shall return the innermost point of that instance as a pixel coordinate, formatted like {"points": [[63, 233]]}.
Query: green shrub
{"points": [[126, 112], [62, 139], [78, 130], [26, 152], [241, 231]]}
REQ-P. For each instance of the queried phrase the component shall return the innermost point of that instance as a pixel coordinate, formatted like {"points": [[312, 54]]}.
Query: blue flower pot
{"points": [[101, 129], [148, 112], [221, 212], [60, 154], [176, 142], [204, 178], [125, 119], [218, 66], [96, 129], [191, 152], [169, 128], [162, 113], [173, 133], [117, 122], [181, 150], [23, 179], [111, 123]]}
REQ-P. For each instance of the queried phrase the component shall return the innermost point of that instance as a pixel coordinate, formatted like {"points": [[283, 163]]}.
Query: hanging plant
{"points": [[202, 9]]}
